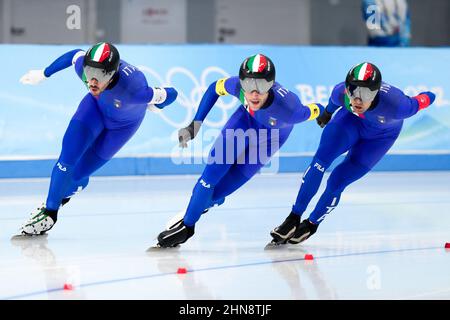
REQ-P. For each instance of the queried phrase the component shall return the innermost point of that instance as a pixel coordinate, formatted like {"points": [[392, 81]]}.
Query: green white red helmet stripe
{"points": [[257, 63], [100, 52], [363, 71]]}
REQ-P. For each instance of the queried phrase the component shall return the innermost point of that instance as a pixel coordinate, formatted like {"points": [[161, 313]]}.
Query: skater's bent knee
{"points": [[345, 174]]}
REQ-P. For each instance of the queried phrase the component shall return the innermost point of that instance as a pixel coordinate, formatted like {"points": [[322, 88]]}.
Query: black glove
{"points": [[188, 133], [324, 118]]}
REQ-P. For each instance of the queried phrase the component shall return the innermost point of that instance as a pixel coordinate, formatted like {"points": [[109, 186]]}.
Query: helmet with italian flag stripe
{"points": [[257, 72], [101, 62], [363, 81]]}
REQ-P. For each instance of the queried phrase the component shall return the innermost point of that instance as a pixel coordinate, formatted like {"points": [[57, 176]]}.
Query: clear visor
{"points": [[99, 74], [259, 85], [363, 93]]}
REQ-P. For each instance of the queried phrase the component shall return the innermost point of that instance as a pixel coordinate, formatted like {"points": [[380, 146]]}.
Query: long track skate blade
{"points": [[275, 245], [29, 237], [158, 248]]}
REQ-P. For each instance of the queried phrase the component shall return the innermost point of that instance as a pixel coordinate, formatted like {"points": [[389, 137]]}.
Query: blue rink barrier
{"points": [[164, 166]]}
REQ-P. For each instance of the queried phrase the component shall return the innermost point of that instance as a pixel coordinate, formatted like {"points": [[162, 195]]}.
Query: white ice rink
{"points": [[384, 241]]}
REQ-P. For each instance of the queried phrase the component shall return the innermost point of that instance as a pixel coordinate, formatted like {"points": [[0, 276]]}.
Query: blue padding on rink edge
{"points": [[164, 165]]}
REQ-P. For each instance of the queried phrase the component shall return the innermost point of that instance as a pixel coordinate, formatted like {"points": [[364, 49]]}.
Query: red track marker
{"points": [[181, 271]]}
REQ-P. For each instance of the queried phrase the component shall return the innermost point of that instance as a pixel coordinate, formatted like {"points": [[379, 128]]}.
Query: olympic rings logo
{"points": [[189, 96]]}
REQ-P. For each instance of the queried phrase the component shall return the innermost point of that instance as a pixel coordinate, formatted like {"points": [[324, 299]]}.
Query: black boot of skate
{"points": [[176, 235], [283, 232], [305, 230]]}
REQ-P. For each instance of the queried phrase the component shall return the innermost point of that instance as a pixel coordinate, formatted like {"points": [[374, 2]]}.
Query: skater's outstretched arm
{"points": [[208, 100], [221, 87], [301, 112], [63, 62], [406, 106], [155, 96], [332, 106], [34, 77]]}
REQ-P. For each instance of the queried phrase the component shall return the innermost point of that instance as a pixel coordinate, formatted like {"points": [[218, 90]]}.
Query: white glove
{"points": [[153, 108], [33, 77]]}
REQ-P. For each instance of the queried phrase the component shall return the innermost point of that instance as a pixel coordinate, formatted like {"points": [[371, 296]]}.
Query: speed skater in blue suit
{"points": [[253, 133], [106, 118], [367, 124]]}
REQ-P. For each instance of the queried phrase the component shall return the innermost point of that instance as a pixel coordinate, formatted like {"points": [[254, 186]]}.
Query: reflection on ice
{"points": [[385, 241]]}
